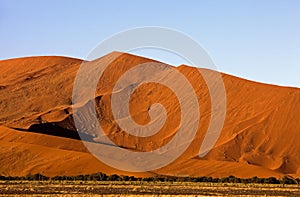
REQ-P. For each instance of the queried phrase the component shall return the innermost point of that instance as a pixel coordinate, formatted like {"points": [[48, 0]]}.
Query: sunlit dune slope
{"points": [[259, 137]]}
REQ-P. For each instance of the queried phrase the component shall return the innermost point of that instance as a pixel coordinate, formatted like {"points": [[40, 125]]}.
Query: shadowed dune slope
{"points": [[37, 133]]}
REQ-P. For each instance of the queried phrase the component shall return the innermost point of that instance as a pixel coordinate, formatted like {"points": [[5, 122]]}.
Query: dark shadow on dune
{"points": [[55, 130]]}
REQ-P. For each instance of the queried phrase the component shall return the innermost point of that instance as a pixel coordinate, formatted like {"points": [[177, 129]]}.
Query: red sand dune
{"points": [[37, 132]]}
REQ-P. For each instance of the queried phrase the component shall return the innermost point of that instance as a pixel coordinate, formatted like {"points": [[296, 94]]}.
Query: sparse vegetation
{"points": [[114, 177]]}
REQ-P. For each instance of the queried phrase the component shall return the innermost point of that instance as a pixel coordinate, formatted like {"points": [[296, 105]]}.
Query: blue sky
{"points": [[257, 40]]}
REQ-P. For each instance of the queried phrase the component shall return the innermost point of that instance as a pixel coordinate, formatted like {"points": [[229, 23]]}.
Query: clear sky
{"points": [[257, 39]]}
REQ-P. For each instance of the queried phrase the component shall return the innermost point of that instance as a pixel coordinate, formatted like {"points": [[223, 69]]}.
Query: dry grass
{"points": [[124, 188]]}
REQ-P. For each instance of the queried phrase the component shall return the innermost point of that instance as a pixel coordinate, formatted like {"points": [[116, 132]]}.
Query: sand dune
{"points": [[38, 135]]}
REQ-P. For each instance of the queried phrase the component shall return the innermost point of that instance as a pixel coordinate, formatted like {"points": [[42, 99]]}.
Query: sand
{"points": [[37, 133]]}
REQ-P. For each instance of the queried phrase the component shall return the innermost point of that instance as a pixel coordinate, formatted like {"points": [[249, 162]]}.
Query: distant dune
{"points": [[260, 136]]}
